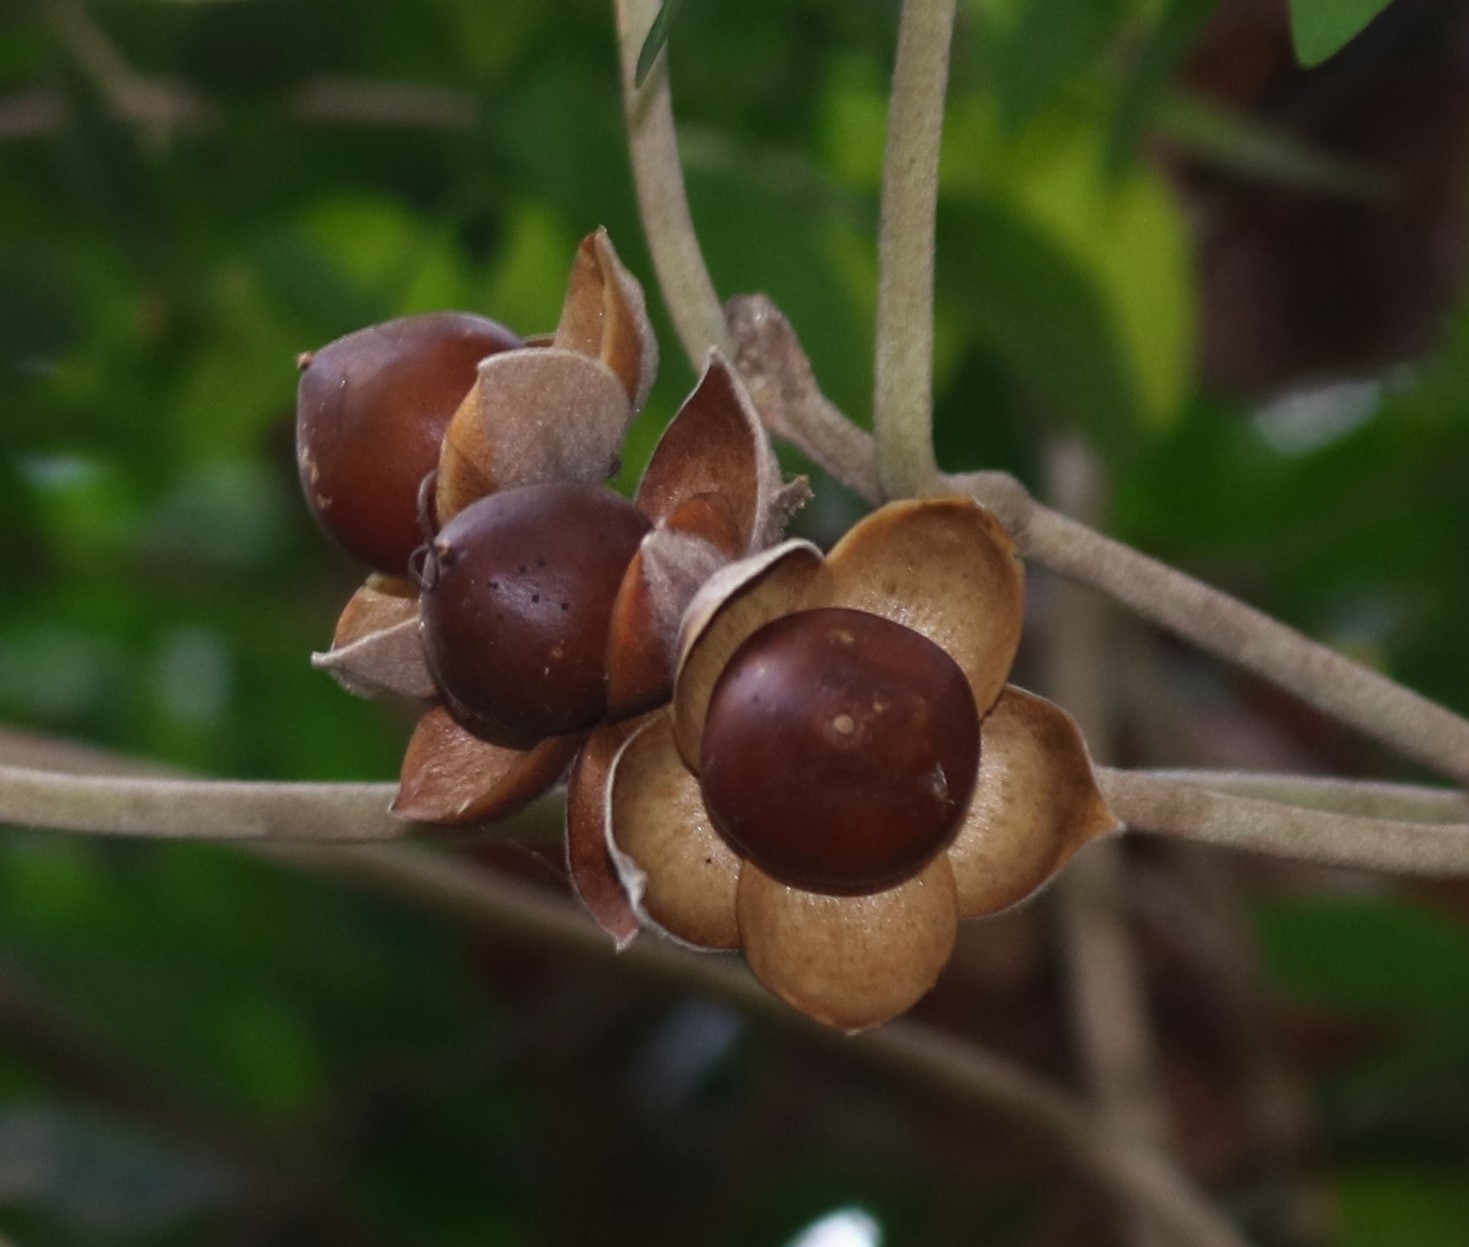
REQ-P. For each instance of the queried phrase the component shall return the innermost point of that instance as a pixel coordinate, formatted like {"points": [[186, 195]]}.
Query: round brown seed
{"points": [[840, 750], [518, 593], [371, 410]]}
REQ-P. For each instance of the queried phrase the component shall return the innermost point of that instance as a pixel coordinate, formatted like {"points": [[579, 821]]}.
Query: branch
{"points": [[943, 1064], [902, 400], [1107, 987], [1409, 803], [198, 809], [1225, 626], [1165, 806], [453, 887], [790, 402], [663, 203]]}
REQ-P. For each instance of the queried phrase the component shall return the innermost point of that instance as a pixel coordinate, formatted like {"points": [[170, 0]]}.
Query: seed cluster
{"points": [[765, 748], [518, 587]]}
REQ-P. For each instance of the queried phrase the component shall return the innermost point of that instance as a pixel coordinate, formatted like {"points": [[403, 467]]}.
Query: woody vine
{"points": [[765, 385]]}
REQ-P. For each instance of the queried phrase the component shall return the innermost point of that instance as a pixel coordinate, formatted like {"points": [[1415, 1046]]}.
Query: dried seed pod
{"points": [[518, 594], [371, 410], [840, 750]]}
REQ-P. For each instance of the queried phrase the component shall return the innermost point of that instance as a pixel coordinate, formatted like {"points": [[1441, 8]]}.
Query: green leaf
{"points": [[1050, 43], [1126, 236], [657, 38], [1367, 954], [1167, 42], [1035, 307], [1321, 28], [1383, 1205]]}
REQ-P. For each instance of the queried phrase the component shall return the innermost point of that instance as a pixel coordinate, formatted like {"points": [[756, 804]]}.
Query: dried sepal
{"points": [[734, 603], [944, 567], [716, 444], [1035, 802], [642, 638], [381, 602], [676, 869], [588, 861], [605, 316], [533, 416], [376, 651], [852, 962], [451, 777]]}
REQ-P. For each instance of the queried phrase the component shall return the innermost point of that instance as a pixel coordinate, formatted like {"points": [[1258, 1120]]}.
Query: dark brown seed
{"points": [[840, 750], [516, 610], [371, 410]]}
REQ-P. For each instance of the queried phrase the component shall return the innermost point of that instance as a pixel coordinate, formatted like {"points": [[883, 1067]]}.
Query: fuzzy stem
{"points": [[166, 808], [948, 1066], [1409, 803], [1223, 625], [789, 399], [1151, 804], [663, 202], [902, 400], [197, 809]]}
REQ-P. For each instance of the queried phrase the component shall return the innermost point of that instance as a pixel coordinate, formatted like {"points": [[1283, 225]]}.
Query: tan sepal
{"points": [[533, 416], [606, 316], [1035, 803], [733, 603], [376, 650], [381, 602], [677, 870], [670, 565], [852, 962], [452, 777], [716, 444], [946, 568], [589, 864]]}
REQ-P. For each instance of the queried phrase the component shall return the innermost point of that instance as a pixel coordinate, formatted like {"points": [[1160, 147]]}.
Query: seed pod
{"points": [[840, 750], [371, 410], [518, 595]]}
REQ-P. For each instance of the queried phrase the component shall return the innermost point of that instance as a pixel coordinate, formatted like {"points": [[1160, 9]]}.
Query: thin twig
{"points": [[458, 889], [1225, 626], [327, 101], [1409, 803], [1108, 994], [170, 808], [198, 809], [951, 1067], [902, 399], [1147, 803], [1217, 623], [158, 106], [663, 203], [789, 400]]}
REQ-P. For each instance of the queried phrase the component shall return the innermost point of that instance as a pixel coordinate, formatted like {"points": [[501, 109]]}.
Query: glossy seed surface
{"points": [[840, 750], [371, 411], [518, 594]]}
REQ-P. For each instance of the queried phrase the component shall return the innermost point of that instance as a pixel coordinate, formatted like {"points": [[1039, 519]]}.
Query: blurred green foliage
{"points": [[1321, 28], [195, 192]]}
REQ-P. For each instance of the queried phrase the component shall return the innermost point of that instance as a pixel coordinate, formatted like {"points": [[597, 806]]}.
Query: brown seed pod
{"points": [[840, 750], [371, 410], [518, 594]]}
